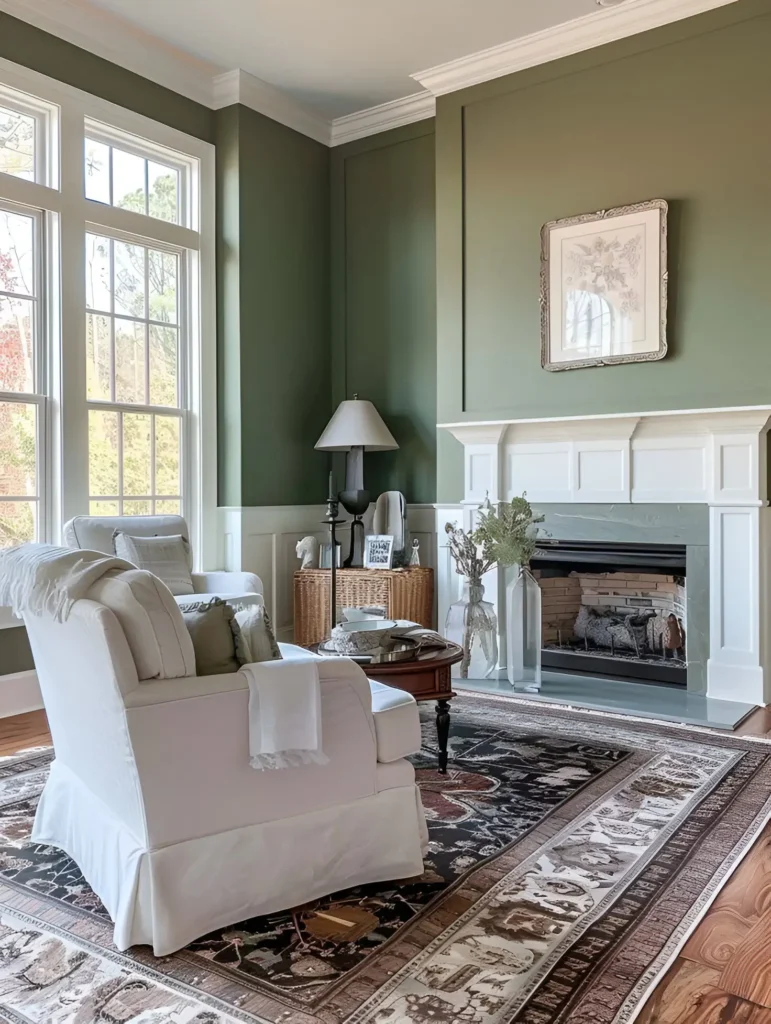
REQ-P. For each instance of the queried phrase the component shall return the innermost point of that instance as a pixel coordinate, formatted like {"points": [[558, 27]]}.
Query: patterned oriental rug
{"points": [[571, 855]]}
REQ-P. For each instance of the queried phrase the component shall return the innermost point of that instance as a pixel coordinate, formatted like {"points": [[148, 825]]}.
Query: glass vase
{"points": [[523, 631], [471, 623]]}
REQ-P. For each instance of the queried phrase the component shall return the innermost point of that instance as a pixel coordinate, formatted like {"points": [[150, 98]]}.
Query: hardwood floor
{"points": [[23, 731], [723, 974]]}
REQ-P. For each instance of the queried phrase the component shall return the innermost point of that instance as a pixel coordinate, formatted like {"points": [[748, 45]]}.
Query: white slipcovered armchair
{"points": [[94, 533], [152, 794]]}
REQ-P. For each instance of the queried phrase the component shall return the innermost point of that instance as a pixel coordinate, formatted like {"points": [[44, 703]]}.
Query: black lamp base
{"points": [[355, 502]]}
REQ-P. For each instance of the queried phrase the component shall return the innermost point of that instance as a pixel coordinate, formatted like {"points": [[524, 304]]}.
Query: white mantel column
{"points": [[739, 536]]}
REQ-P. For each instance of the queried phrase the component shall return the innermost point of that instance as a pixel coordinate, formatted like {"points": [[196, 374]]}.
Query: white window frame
{"points": [[189, 213], [66, 116], [46, 114]]}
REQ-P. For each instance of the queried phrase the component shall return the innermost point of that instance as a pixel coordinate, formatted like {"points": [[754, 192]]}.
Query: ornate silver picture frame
{"points": [[604, 287]]}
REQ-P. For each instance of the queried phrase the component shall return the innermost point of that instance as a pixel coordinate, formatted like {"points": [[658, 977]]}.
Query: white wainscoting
{"points": [[19, 693], [262, 539]]}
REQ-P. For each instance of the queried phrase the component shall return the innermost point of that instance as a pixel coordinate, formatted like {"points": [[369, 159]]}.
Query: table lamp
{"points": [[356, 427]]}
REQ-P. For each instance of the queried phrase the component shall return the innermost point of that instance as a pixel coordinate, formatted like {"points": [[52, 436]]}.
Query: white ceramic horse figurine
{"points": [[308, 550]]}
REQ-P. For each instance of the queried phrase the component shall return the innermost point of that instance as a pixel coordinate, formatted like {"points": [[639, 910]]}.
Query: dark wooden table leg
{"points": [[443, 732]]}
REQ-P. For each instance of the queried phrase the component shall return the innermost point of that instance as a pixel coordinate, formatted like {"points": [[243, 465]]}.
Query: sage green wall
{"points": [[24, 44], [676, 113], [275, 377], [384, 297]]}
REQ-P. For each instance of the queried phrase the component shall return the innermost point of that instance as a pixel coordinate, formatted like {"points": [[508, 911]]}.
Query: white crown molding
{"points": [[362, 123], [603, 26], [116, 40], [240, 87], [102, 33]]}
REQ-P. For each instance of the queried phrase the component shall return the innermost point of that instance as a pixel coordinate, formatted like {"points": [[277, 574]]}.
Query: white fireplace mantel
{"points": [[716, 457]]}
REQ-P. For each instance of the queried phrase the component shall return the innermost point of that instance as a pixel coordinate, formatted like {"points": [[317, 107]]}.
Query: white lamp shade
{"points": [[356, 423]]}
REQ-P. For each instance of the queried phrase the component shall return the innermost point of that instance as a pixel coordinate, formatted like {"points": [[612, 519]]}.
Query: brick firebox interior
{"points": [[621, 592]]}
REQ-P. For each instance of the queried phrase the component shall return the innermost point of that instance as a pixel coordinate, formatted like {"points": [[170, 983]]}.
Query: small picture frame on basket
{"points": [[378, 551]]}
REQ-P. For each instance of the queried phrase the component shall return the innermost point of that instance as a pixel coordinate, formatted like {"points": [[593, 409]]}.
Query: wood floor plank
{"points": [[717, 938], [748, 892], [678, 992], [748, 971], [689, 994]]}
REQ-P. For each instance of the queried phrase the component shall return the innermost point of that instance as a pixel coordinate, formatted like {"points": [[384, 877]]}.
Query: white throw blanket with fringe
{"points": [[43, 578], [284, 713]]}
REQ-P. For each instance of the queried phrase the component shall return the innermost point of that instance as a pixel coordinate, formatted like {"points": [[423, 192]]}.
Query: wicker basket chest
{"points": [[405, 594]]}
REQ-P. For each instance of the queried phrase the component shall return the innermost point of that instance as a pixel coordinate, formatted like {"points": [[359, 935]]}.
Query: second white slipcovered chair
{"points": [[94, 533], [152, 794]]}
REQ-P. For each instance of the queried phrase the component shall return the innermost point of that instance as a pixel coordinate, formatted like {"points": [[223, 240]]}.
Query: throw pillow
{"points": [[211, 627], [167, 558], [255, 640]]}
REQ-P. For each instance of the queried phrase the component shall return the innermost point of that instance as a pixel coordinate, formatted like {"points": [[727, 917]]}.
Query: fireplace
{"points": [[615, 610], [697, 478]]}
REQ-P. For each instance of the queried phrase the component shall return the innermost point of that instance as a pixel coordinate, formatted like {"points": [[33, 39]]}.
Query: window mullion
{"points": [[70, 391]]}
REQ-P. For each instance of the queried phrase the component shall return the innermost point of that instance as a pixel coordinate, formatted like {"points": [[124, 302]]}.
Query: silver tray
{"points": [[404, 650]]}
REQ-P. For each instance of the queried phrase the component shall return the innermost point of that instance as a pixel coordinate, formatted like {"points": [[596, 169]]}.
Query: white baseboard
{"points": [[262, 539], [19, 693]]}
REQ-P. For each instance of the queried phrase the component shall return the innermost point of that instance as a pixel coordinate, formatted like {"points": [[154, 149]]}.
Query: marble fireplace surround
{"points": [[697, 478]]}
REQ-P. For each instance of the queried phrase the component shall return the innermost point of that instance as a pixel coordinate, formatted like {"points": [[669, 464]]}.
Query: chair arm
{"points": [[231, 583], [165, 691]]}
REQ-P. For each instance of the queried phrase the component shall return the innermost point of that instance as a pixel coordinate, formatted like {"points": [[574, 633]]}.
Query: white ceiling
{"points": [[340, 56], [337, 70]]}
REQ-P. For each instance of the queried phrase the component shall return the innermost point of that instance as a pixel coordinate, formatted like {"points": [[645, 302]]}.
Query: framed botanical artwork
{"points": [[604, 287], [378, 551]]}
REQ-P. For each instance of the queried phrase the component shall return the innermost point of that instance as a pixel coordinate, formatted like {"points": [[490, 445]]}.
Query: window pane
{"points": [[167, 455], [103, 508], [128, 181], [18, 444], [163, 199], [129, 362], [168, 508], [17, 144], [137, 508], [98, 288], [163, 367], [129, 279], [97, 171], [137, 454], [16, 253], [98, 356], [162, 278], [103, 453], [17, 350], [18, 522]]}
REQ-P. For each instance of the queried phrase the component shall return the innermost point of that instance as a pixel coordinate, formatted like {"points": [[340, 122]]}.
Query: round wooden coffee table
{"points": [[426, 677]]}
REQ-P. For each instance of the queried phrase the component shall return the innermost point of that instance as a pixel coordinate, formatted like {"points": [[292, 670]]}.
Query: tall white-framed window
{"points": [[107, 349]]}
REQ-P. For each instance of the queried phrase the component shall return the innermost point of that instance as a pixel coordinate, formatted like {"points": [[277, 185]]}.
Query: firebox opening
{"points": [[615, 610]]}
